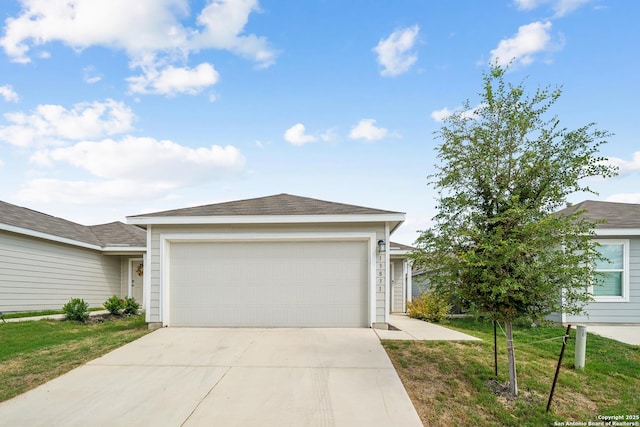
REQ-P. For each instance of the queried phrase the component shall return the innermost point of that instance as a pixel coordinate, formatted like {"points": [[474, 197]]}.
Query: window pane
{"points": [[609, 285], [613, 253]]}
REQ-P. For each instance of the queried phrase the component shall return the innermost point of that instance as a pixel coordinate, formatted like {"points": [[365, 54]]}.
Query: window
{"points": [[613, 280]]}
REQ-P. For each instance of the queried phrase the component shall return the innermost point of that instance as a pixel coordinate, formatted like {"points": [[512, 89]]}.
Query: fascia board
{"points": [[617, 231], [125, 250], [264, 219], [47, 236], [395, 252]]}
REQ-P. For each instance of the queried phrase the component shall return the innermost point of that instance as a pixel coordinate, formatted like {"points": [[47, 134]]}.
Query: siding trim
{"points": [[265, 219], [46, 236], [146, 280], [617, 232], [626, 277]]}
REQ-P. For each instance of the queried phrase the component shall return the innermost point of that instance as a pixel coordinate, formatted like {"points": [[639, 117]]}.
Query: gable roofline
{"points": [[276, 209], [28, 222], [400, 249], [47, 236], [618, 216]]}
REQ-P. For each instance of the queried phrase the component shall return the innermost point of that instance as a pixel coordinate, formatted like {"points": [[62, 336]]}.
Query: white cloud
{"points": [[52, 124], [530, 40], [296, 135], [145, 159], [90, 75], [626, 166], [223, 23], [624, 198], [443, 114], [329, 135], [174, 80], [367, 130], [395, 53], [131, 169], [560, 7], [149, 26], [44, 190], [143, 29], [1, 163], [9, 95]]}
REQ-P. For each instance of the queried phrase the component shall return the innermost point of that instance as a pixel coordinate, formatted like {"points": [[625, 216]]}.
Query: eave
{"points": [[394, 219]]}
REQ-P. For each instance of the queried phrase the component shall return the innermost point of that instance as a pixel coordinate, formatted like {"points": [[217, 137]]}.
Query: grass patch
{"points": [[21, 314], [33, 353], [453, 383]]}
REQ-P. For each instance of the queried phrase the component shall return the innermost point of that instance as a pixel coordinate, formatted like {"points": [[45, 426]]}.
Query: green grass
{"points": [[452, 383], [34, 352], [21, 314]]}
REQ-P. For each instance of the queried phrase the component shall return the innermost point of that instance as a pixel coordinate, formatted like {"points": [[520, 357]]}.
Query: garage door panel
{"points": [[316, 283]]}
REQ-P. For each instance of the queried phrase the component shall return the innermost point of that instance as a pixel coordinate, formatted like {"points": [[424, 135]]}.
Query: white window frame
{"points": [[625, 272]]}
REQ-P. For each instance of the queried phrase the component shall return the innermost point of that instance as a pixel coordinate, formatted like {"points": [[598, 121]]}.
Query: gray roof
{"points": [[120, 234], [394, 245], [616, 215], [113, 234], [280, 204]]}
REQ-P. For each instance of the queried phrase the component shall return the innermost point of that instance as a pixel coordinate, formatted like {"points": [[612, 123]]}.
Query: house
{"points": [[45, 261], [617, 299], [401, 277], [276, 261]]}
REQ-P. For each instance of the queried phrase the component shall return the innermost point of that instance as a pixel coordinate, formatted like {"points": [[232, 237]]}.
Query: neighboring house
{"points": [[617, 299], [419, 282], [401, 278], [277, 261], [45, 261]]}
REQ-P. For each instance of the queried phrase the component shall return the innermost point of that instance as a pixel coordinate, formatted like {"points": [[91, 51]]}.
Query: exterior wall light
{"points": [[381, 246]]}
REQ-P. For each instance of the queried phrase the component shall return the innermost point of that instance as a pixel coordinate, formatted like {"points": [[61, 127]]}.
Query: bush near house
{"points": [[76, 309], [127, 305], [429, 306], [114, 305], [131, 306]]}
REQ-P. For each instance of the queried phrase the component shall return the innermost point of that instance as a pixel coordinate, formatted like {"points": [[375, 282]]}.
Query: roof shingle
{"points": [[616, 215], [280, 204], [116, 233]]}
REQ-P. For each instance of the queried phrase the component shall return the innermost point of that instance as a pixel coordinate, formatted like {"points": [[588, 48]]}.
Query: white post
{"points": [[581, 346]]}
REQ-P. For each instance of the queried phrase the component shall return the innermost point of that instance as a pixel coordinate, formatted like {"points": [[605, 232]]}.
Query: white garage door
{"points": [[272, 284]]}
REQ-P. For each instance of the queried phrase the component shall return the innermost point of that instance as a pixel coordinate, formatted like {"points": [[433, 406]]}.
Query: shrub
{"points": [[76, 309], [429, 306], [114, 304], [131, 306]]}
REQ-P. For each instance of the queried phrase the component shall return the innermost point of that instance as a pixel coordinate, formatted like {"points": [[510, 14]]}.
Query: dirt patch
{"points": [[504, 395], [105, 317]]}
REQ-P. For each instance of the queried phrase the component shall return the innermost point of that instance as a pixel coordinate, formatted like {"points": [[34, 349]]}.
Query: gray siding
{"points": [[154, 256], [37, 274], [617, 312], [419, 284]]}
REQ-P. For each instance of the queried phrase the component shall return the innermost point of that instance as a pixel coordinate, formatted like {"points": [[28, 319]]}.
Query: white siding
{"points": [[617, 312], [154, 255], [37, 274]]}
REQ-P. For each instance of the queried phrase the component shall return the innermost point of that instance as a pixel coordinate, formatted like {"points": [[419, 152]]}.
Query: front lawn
{"points": [[452, 383], [34, 352]]}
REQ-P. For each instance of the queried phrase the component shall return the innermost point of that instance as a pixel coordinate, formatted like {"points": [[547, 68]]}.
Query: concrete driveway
{"points": [[227, 377]]}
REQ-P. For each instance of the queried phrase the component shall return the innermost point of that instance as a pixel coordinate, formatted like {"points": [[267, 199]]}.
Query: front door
{"points": [[136, 273]]}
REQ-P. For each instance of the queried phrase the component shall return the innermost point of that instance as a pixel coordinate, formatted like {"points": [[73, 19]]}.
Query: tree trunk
{"points": [[513, 377]]}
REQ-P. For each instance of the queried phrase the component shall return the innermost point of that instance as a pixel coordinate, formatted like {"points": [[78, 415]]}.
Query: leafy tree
{"points": [[497, 247]]}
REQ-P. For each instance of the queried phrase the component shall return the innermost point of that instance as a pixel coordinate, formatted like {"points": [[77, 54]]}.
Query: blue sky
{"points": [[116, 108]]}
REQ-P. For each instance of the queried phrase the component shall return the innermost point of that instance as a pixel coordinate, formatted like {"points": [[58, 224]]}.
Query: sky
{"points": [[111, 109]]}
